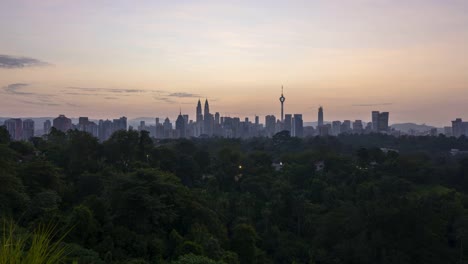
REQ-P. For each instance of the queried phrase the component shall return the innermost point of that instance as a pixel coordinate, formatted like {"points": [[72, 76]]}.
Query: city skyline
{"points": [[206, 124], [149, 58]]}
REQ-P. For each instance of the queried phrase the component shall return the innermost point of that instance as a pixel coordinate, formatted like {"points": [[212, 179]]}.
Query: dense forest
{"points": [[134, 199]]}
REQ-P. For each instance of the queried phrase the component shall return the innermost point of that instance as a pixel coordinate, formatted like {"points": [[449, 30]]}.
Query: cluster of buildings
{"points": [[19, 129], [102, 130], [458, 128], [207, 124]]}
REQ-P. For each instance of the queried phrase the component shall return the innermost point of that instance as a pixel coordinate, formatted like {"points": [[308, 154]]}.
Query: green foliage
{"points": [[194, 259], [133, 199], [39, 247]]}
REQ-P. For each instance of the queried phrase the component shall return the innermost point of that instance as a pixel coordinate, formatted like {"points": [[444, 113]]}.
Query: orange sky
{"points": [[147, 58]]}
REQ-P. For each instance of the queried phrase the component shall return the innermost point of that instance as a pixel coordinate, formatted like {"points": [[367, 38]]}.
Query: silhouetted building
{"points": [[270, 125], [105, 129], [28, 129], [180, 126], [47, 127], [380, 121], [324, 130], [120, 124], [287, 124], [62, 123], [208, 120], [383, 122], [15, 128], [346, 126], [358, 127], [167, 128], [375, 121], [459, 128], [336, 128], [320, 116], [199, 117], [298, 126]]}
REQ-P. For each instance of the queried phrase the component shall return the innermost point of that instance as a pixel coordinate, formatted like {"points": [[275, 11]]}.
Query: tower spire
{"points": [[282, 99]]}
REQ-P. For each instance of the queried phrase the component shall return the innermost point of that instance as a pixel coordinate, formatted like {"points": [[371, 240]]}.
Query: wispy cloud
{"points": [[107, 90], [368, 105], [183, 95], [29, 97], [14, 88], [12, 62], [164, 100]]}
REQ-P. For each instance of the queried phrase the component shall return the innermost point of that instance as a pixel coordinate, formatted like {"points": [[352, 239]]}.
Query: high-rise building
{"points": [[320, 116], [28, 129], [217, 120], [208, 120], [457, 127], [87, 126], [358, 127], [167, 128], [180, 126], [120, 124], [287, 124], [380, 121], [142, 126], [270, 125], [336, 128], [383, 122], [324, 130], [62, 123], [47, 126], [105, 129], [298, 125], [199, 117], [282, 99], [207, 108], [15, 128], [375, 121], [346, 126]]}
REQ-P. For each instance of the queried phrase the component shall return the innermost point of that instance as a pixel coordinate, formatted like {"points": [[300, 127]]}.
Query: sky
{"points": [[109, 58]]}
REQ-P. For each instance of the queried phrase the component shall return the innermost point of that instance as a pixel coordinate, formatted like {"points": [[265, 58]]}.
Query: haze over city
{"points": [[150, 58]]}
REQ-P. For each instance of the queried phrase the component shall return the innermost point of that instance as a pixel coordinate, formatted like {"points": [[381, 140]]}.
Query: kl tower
{"points": [[282, 99]]}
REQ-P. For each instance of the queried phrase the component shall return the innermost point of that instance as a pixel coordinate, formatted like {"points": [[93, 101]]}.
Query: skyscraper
{"points": [[120, 124], [320, 116], [282, 99], [346, 126], [457, 127], [15, 128], [287, 123], [208, 120], [383, 122], [28, 129], [375, 121], [380, 121], [357, 127], [217, 120], [270, 125], [199, 117], [180, 126], [298, 125], [167, 128], [62, 123], [47, 126], [336, 128]]}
